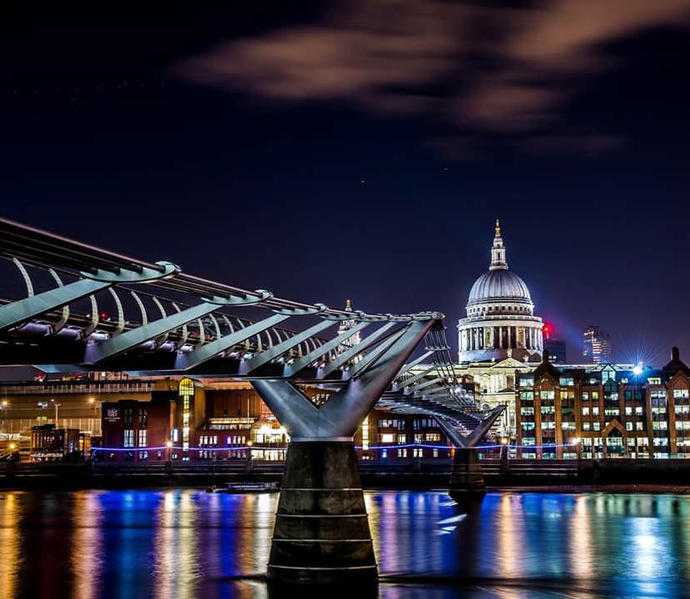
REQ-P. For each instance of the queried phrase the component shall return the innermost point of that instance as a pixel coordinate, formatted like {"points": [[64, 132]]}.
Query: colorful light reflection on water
{"points": [[188, 543]]}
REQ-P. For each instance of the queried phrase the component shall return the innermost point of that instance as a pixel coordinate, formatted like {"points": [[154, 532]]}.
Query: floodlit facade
{"points": [[500, 321], [604, 411]]}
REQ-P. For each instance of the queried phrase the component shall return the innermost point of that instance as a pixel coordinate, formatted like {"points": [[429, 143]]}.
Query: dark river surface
{"points": [[188, 543]]}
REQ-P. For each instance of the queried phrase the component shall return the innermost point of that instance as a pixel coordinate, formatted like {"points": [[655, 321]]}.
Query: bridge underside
{"points": [[88, 309]]}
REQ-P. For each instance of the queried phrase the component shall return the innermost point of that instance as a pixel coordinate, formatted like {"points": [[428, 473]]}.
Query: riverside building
{"points": [[604, 411]]}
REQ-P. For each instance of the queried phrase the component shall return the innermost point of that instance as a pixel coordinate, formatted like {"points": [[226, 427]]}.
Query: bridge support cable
{"points": [[429, 383], [414, 363], [322, 532], [369, 359], [17, 312], [203, 353], [407, 383], [320, 351], [64, 317], [282, 348], [99, 351], [354, 351]]}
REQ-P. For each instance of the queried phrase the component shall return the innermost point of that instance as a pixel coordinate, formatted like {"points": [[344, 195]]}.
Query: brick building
{"points": [[136, 430], [52, 444], [228, 420], [604, 411]]}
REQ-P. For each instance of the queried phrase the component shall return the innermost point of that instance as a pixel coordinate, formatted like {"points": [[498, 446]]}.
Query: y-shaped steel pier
{"points": [[322, 532]]}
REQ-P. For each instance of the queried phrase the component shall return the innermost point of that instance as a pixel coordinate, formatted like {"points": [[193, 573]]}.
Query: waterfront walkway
{"points": [[412, 474]]}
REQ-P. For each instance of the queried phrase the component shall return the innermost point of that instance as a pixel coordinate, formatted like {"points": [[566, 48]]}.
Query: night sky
{"points": [[364, 149]]}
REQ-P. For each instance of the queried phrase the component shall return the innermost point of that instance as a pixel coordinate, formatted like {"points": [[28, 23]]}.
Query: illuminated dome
{"points": [[500, 320], [497, 285]]}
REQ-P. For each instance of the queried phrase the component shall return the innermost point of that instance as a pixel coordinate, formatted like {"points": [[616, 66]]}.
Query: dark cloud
{"points": [[503, 71]]}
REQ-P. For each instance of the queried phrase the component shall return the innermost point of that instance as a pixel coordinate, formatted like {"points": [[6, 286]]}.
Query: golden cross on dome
{"points": [[498, 228]]}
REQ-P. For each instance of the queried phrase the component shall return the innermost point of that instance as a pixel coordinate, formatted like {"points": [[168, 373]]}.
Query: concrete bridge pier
{"points": [[466, 476], [322, 531]]}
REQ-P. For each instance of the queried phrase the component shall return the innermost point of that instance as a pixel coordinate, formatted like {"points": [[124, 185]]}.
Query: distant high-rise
{"points": [[555, 346], [557, 351], [596, 345]]}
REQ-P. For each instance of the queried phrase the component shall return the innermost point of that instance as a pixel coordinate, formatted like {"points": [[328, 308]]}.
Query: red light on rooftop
{"points": [[547, 329]]}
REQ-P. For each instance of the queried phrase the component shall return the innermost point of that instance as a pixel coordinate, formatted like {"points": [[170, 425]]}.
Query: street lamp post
{"points": [[503, 456], [57, 407], [95, 405], [3, 407], [168, 449]]}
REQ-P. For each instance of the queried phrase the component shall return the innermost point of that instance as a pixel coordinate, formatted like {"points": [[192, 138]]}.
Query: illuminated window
{"points": [[389, 423], [680, 394], [142, 437], [186, 387], [128, 438], [387, 438]]}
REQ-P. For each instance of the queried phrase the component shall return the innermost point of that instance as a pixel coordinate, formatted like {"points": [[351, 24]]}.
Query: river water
{"points": [[188, 543]]}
